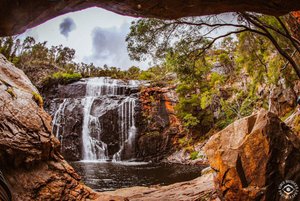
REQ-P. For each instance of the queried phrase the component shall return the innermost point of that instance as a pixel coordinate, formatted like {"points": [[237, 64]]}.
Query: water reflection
{"points": [[110, 176]]}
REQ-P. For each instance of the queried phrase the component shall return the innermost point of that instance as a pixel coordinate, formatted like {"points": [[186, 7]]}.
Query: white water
{"points": [[110, 94], [95, 149], [58, 120], [127, 128]]}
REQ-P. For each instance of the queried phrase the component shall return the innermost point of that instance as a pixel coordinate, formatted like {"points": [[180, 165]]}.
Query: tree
{"points": [[158, 37]]}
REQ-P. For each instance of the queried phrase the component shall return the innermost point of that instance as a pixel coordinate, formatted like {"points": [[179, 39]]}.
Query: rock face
{"points": [[159, 124], [283, 100], [29, 13], [94, 123], [252, 156], [201, 188], [29, 153], [153, 116]]}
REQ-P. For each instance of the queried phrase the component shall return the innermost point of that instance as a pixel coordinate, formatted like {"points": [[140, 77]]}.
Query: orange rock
{"points": [[253, 156]]}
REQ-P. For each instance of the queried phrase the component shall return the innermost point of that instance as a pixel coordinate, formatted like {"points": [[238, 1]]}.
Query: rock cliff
{"points": [[29, 13], [29, 153], [252, 156], [159, 124]]}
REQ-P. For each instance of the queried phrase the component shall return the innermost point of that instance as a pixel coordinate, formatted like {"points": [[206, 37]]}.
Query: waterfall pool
{"points": [[108, 176]]}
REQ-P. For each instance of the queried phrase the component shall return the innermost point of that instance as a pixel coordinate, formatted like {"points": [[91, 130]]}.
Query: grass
{"points": [[38, 99], [10, 90]]}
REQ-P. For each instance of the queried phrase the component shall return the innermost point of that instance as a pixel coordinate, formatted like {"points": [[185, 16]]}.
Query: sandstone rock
{"points": [[184, 157], [201, 188], [282, 100], [159, 124], [252, 156], [29, 13], [29, 153]]}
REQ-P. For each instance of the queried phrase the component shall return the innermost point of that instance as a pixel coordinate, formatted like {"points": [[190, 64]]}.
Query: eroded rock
{"points": [[158, 123], [252, 156], [29, 153], [29, 13]]}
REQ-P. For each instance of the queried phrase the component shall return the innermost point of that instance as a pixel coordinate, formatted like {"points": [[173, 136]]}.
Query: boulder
{"points": [[29, 152], [252, 156]]}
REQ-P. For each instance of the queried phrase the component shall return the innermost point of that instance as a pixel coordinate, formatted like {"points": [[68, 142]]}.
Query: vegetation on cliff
{"points": [[219, 83], [216, 82]]}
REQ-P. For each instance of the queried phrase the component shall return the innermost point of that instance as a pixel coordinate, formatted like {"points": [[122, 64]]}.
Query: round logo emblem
{"points": [[288, 189]]}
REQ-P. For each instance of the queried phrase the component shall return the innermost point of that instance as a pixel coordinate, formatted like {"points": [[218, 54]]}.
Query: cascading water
{"points": [[107, 119], [93, 147], [58, 120], [127, 129]]}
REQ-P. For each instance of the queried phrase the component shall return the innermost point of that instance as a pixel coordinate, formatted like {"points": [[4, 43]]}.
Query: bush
{"points": [[38, 99], [194, 155], [66, 77], [61, 78]]}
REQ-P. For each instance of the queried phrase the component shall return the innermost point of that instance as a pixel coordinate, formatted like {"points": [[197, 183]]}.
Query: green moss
{"points": [[10, 90], [38, 99], [194, 155]]}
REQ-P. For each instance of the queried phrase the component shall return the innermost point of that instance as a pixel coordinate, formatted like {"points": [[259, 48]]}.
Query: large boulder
{"points": [[252, 156], [29, 152]]}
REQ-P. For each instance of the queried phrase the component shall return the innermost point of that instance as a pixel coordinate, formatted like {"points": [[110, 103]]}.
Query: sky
{"points": [[97, 35]]}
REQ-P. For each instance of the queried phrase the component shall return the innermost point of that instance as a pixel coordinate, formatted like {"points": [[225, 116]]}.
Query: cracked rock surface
{"points": [[29, 157], [252, 156]]}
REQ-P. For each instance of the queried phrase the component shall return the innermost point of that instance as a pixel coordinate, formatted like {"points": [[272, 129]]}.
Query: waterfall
{"points": [[127, 129], [105, 112], [93, 148], [58, 120]]}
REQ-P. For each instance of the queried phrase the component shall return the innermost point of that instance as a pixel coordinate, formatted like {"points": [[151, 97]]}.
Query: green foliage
{"points": [[194, 155], [10, 90], [65, 78], [38, 99], [185, 141], [190, 121]]}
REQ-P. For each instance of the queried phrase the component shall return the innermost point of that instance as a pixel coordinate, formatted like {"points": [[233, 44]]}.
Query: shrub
{"points": [[38, 99], [10, 90], [66, 78], [194, 155]]}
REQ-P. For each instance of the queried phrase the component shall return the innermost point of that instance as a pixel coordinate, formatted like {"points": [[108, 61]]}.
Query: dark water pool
{"points": [[110, 176]]}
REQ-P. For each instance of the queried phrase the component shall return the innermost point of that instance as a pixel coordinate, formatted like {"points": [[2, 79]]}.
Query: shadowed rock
{"points": [[252, 156], [29, 152], [29, 13]]}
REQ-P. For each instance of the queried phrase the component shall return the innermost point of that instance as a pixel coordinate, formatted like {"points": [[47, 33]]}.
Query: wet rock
{"points": [[252, 156]]}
